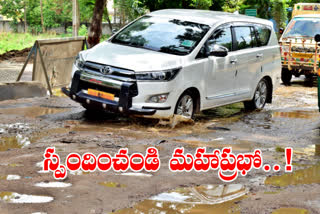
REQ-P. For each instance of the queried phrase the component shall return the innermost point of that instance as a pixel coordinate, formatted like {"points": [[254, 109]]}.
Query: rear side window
{"points": [[244, 37], [263, 34]]}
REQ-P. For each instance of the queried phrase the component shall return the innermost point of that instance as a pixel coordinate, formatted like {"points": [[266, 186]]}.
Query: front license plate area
{"points": [[101, 94]]}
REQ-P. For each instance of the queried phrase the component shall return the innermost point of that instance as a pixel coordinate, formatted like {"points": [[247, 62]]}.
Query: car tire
{"points": [[92, 110], [309, 76], [186, 105], [286, 76], [260, 97]]}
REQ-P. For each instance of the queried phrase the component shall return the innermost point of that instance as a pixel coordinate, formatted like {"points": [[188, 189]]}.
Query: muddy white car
{"points": [[179, 62]]}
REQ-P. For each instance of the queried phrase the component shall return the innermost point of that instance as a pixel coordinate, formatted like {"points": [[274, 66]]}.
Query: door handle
{"points": [[259, 56], [233, 61]]}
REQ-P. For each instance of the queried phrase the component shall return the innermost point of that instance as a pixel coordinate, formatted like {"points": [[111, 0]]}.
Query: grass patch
{"points": [[19, 41], [225, 111], [279, 149]]}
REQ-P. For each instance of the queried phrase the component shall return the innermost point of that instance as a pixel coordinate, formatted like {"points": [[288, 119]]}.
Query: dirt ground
{"points": [[28, 126]]}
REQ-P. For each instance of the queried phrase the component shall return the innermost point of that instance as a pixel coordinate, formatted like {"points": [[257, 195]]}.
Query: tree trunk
{"points": [[41, 12], [107, 16], [25, 18], [115, 16], [75, 18], [96, 23]]}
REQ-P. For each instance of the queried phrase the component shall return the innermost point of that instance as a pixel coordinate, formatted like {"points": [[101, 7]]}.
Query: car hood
{"points": [[131, 58]]}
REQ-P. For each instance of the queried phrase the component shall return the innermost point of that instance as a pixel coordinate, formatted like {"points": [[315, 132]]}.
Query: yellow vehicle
{"points": [[299, 50]]}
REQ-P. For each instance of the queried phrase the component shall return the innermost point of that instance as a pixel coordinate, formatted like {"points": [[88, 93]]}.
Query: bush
{"points": [[83, 31]]}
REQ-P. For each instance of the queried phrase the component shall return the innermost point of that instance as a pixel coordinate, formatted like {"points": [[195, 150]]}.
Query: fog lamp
{"points": [[160, 98]]}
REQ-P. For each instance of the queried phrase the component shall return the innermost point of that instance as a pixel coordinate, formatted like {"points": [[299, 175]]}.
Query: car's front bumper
{"points": [[125, 92]]}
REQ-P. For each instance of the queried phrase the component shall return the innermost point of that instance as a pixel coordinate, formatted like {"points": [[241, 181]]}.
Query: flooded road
{"points": [[29, 126]]}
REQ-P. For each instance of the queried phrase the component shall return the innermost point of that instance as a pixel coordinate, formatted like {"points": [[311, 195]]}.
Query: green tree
{"points": [[128, 10], [201, 4], [12, 9], [279, 13], [217, 5], [86, 10], [262, 7], [232, 5]]}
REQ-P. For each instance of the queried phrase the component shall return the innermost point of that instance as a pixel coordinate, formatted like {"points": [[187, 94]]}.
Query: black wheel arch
{"points": [[270, 88], [194, 92]]}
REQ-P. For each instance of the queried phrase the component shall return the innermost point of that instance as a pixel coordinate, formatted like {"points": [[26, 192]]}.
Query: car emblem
{"points": [[106, 70]]}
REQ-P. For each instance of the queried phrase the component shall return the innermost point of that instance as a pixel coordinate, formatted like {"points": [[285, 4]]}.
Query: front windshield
{"points": [[163, 35], [303, 27]]}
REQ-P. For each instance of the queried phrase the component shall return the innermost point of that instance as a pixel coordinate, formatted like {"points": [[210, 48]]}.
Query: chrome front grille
{"points": [[112, 72]]}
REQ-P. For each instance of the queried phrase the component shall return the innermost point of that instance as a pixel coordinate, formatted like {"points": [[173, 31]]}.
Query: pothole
{"points": [[15, 142], [33, 111], [302, 176], [200, 199]]}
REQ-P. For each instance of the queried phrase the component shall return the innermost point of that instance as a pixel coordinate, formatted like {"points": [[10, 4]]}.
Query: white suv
{"points": [[179, 62]]}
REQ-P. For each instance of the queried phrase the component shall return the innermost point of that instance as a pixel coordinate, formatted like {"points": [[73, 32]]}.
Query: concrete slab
{"points": [[16, 90]]}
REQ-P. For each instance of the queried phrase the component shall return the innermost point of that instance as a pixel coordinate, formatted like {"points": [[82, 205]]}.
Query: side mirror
{"points": [[219, 51], [281, 30], [317, 38]]}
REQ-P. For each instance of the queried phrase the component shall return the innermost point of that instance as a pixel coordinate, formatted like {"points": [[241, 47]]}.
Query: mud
{"points": [[200, 199], [292, 120], [33, 112], [290, 210], [302, 176], [15, 55]]}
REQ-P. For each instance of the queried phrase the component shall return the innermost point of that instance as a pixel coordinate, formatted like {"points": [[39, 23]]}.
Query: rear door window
{"points": [[263, 33], [244, 37]]}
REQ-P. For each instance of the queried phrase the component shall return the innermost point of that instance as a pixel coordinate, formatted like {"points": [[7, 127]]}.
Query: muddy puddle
{"points": [[53, 184], [296, 114], [10, 177], [33, 111], [302, 176], [291, 210], [201, 199], [14, 142], [312, 150], [13, 197]]}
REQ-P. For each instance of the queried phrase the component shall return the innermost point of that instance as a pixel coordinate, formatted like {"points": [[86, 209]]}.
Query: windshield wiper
{"points": [[132, 45], [173, 50]]}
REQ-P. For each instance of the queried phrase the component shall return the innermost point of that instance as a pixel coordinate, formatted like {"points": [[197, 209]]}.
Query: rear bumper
{"points": [[300, 68]]}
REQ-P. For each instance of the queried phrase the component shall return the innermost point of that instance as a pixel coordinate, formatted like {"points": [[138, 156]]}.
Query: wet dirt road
{"points": [[28, 126]]}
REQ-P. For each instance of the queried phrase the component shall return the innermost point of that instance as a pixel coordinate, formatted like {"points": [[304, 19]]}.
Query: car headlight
{"points": [[166, 75], [79, 63]]}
